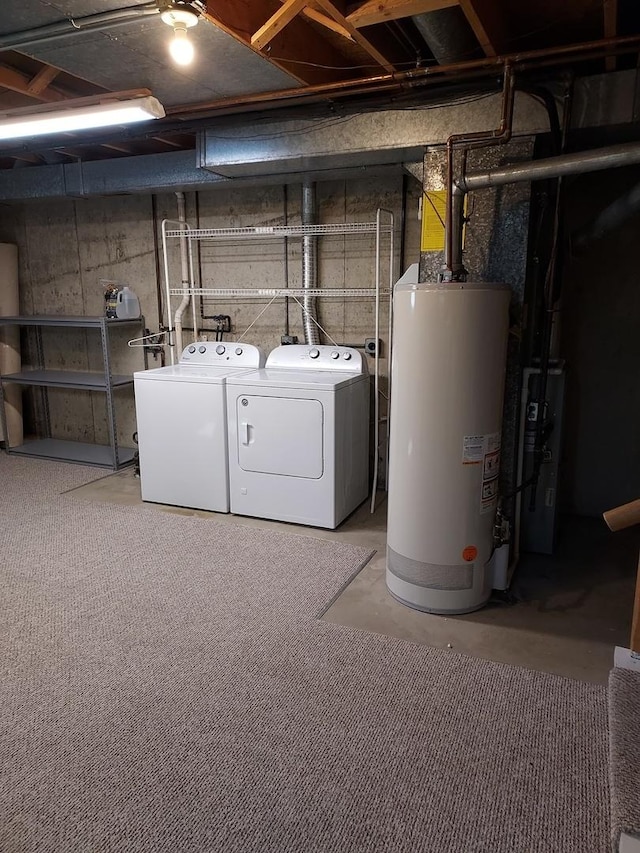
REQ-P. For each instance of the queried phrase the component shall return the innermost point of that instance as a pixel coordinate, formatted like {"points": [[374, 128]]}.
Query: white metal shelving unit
{"points": [[383, 225], [111, 455]]}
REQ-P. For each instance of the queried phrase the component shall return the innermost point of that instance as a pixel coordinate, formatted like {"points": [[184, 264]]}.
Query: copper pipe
{"points": [[419, 76], [454, 268]]}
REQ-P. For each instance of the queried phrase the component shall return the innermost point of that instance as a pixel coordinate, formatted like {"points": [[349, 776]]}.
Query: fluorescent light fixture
{"points": [[63, 118]]}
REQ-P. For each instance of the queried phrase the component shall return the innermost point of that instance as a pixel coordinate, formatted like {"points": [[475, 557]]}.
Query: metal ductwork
{"points": [[613, 216], [448, 35], [309, 265]]}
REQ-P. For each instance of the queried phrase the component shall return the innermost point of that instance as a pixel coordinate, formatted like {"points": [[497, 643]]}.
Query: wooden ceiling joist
{"points": [[483, 17], [332, 10], [295, 49], [16, 81], [326, 22], [379, 11], [165, 140], [281, 17], [42, 79]]}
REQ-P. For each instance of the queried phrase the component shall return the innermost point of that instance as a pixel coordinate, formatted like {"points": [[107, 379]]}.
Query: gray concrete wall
{"points": [[601, 343], [67, 246]]}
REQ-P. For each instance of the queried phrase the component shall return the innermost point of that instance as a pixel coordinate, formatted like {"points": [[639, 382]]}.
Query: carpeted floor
{"points": [[167, 688], [624, 714]]}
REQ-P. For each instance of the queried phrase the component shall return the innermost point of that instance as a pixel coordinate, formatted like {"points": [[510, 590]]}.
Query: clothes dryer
{"points": [[182, 425], [299, 436]]}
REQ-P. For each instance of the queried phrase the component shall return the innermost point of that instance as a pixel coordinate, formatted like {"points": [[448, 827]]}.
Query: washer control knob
{"points": [[202, 349], [335, 354], [192, 349], [220, 349], [347, 356], [314, 353], [239, 350]]}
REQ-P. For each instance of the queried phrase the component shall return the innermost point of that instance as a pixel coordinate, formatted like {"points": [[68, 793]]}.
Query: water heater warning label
{"points": [[490, 472], [484, 451], [473, 449], [476, 448]]}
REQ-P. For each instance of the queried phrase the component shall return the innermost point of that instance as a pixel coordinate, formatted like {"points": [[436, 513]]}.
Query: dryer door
{"points": [[280, 435]]}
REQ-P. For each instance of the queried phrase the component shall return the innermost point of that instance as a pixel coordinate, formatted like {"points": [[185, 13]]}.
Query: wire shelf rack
{"points": [[268, 293], [279, 231]]}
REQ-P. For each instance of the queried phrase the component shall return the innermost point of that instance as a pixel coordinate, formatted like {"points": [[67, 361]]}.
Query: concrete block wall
{"points": [[66, 247]]}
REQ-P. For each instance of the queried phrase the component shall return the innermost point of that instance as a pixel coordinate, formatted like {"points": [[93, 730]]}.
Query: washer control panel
{"points": [[227, 354], [318, 357]]}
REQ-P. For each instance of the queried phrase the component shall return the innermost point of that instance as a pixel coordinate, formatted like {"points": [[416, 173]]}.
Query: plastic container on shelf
{"points": [[127, 304]]}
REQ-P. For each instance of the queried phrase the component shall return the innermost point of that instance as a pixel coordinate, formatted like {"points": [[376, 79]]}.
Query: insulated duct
{"points": [[309, 265], [613, 216], [447, 34]]}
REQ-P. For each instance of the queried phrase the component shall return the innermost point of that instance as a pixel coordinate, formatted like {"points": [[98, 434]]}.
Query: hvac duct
{"points": [[10, 344], [447, 34], [309, 265], [448, 367]]}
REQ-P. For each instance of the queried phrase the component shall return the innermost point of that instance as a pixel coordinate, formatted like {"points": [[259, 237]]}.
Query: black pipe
{"points": [[71, 26], [550, 297]]}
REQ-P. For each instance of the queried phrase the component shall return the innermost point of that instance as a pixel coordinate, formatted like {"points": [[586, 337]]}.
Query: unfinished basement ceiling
{"points": [[244, 50]]}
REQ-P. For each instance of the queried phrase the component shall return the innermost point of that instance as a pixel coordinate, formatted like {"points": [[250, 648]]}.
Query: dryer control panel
{"points": [[317, 357], [226, 354]]}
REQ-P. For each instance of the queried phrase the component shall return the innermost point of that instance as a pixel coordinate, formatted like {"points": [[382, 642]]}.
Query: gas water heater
{"points": [[447, 387]]}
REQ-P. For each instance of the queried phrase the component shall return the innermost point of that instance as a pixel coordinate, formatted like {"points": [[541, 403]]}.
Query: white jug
{"points": [[127, 305]]}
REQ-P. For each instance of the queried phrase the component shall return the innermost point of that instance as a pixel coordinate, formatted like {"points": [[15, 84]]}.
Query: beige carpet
{"points": [[624, 745], [167, 688]]}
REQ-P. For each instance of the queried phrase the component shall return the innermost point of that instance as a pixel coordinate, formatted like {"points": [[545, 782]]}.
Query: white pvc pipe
{"points": [[184, 270], [10, 344]]}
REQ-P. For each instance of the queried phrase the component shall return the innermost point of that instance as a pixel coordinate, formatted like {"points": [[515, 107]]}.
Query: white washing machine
{"points": [[299, 436], [182, 425]]}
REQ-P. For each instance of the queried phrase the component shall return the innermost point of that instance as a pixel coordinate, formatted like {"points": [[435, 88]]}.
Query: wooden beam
{"points": [[121, 149], [18, 82], [331, 9], [379, 11], [27, 158], [172, 143], [42, 79], [610, 9], [296, 49], [327, 22], [278, 21], [485, 22]]}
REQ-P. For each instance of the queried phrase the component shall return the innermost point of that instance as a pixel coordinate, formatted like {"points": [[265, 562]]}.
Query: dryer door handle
{"points": [[246, 433]]}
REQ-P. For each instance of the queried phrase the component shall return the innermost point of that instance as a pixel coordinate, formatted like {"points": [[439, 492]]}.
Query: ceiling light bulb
{"points": [[180, 16], [181, 49]]}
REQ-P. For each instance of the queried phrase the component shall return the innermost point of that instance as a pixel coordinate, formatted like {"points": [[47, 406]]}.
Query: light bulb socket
{"points": [[172, 13]]}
